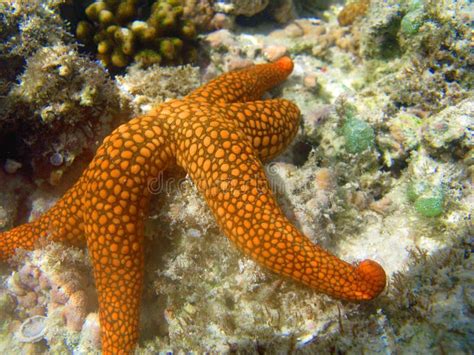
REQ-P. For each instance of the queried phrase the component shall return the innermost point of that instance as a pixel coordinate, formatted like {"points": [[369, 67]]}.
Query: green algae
{"points": [[412, 22], [430, 206], [358, 134], [416, 189], [415, 5]]}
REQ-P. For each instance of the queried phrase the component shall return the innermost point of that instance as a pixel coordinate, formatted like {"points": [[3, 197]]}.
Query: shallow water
{"points": [[380, 168]]}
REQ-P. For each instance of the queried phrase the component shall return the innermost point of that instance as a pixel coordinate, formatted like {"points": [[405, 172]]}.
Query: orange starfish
{"points": [[219, 134]]}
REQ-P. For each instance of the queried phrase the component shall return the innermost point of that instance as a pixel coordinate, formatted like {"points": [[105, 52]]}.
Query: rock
{"points": [[273, 53]]}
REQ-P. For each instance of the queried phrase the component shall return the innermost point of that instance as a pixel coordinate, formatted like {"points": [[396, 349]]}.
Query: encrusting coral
{"points": [[218, 134], [121, 35]]}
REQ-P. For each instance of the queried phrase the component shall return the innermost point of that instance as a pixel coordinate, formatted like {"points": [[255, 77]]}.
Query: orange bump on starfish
{"points": [[219, 134]]}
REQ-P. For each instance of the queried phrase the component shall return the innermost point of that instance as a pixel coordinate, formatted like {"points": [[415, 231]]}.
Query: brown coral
{"points": [[352, 11], [200, 12]]}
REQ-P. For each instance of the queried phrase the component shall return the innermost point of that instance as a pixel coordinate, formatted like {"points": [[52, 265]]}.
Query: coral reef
{"points": [[277, 245], [62, 104], [434, 72], [25, 27], [404, 69], [54, 103], [121, 35]]}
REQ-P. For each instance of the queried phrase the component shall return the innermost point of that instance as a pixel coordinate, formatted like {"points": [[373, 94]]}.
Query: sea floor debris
{"points": [[32, 330]]}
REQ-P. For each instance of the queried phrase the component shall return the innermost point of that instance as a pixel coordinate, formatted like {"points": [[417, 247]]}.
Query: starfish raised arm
{"points": [[248, 84]]}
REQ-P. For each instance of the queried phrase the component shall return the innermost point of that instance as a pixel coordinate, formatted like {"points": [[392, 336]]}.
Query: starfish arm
{"points": [[238, 194], [117, 252], [244, 85], [62, 223], [270, 125], [115, 202]]}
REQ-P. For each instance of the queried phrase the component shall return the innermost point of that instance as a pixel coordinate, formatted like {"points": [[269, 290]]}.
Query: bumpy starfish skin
{"points": [[219, 134]]}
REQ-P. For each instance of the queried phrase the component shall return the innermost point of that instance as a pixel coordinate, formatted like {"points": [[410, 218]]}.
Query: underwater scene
{"points": [[236, 176]]}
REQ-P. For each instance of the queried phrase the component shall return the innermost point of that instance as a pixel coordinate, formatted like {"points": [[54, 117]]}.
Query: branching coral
{"points": [[122, 35], [200, 12]]}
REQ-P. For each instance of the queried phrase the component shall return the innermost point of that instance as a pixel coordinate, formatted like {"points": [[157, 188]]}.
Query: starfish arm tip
{"points": [[373, 276], [285, 64]]}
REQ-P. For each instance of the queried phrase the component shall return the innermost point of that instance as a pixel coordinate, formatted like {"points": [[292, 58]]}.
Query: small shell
{"points": [[32, 330], [56, 159], [11, 166]]}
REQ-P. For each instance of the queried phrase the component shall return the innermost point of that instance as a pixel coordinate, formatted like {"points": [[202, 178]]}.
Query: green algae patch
{"points": [[416, 189], [429, 206], [412, 22], [414, 18], [415, 5], [428, 200], [359, 135]]}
